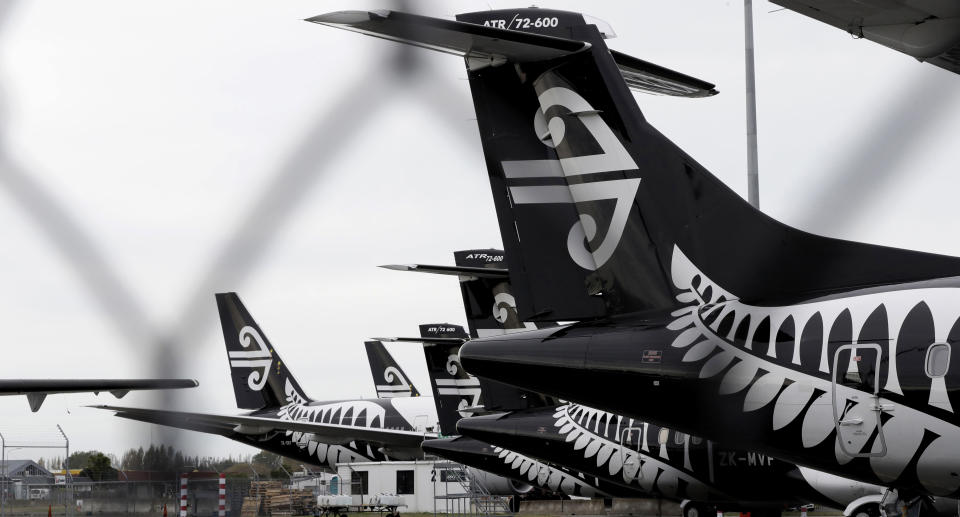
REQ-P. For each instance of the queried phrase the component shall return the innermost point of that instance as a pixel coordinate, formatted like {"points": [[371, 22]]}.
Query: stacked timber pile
{"points": [[251, 507], [290, 501], [260, 488]]}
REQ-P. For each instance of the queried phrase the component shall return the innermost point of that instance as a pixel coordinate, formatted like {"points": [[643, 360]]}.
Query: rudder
{"points": [[260, 378], [388, 377]]}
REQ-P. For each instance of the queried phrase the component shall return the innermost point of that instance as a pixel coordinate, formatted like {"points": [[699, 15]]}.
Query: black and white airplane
{"points": [[499, 470], [284, 420], [625, 456], [37, 390], [695, 311], [490, 310]]}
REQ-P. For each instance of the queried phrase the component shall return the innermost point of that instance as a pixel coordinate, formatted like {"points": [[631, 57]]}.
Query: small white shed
{"points": [[425, 486]]}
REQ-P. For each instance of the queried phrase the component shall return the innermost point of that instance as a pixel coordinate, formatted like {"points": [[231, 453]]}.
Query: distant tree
{"points": [[79, 459], [132, 459], [98, 468]]}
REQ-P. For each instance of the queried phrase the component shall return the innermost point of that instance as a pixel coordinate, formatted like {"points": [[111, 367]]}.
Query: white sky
{"points": [[157, 125]]}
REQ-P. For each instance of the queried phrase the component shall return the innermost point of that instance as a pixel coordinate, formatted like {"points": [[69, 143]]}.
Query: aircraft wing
{"points": [[246, 424], [928, 31], [37, 390]]}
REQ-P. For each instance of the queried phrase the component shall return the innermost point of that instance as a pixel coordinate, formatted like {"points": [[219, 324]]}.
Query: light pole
{"points": [[290, 486], [753, 175]]}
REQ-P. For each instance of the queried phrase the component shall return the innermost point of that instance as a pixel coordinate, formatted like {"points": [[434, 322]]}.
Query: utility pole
{"points": [[753, 178]]}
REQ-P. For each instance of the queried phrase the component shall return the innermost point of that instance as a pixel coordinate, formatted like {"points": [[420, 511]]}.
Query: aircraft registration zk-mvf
{"points": [[695, 311]]}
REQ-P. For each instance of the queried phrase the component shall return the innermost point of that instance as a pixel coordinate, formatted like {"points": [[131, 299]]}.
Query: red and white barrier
{"points": [[222, 511], [183, 495]]}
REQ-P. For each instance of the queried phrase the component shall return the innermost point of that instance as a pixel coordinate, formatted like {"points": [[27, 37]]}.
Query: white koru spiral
{"points": [[259, 359], [453, 364], [503, 305], [392, 374]]}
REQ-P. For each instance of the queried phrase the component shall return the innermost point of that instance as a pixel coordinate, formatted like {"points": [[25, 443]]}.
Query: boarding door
{"points": [[856, 400]]}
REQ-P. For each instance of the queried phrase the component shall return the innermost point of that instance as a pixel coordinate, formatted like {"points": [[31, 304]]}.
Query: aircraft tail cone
{"points": [[487, 428], [462, 449], [527, 360]]}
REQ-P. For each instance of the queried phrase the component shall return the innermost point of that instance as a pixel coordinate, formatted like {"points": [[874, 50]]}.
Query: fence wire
{"points": [[401, 75]]}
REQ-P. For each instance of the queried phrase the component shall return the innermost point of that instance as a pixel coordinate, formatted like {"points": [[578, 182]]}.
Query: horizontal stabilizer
{"points": [[327, 433], [463, 271], [647, 77], [479, 44], [37, 390], [427, 340]]}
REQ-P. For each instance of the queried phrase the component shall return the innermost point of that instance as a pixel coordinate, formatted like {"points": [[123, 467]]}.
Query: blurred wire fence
{"points": [[399, 76]]}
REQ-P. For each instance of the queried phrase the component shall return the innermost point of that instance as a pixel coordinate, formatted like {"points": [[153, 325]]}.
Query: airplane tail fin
{"points": [[491, 309], [388, 378], [455, 392], [613, 217], [260, 378], [490, 306]]}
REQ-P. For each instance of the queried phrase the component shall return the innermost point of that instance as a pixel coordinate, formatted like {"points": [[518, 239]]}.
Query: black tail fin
{"points": [[490, 306], [388, 378], [606, 207], [492, 310], [260, 379], [454, 390]]}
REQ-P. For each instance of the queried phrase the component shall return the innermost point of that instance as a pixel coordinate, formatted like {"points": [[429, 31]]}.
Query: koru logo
{"points": [[453, 364], [393, 376], [504, 304], [581, 244], [259, 359]]}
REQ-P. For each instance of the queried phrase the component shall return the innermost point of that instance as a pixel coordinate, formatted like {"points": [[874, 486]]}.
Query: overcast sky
{"points": [[156, 129]]}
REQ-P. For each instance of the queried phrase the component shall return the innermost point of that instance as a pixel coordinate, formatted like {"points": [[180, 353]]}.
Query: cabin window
{"points": [[662, 437], [938, 360], [404, 482]]}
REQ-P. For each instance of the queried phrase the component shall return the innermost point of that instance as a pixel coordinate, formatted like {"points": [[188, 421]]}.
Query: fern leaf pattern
{"points": [[597, 434], [751, 369], [546, 476]]}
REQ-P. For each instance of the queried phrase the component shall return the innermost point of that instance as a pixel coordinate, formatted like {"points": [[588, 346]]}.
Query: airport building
{"points": [[25, 479], [423, 486]]}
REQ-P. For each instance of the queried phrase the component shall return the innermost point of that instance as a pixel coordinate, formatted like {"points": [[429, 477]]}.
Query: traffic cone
{"points": [[50, 510], [164, 509]]}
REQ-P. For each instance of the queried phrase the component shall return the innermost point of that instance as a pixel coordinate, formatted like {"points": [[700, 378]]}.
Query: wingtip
{"points": [[399, 267], [346, 17]]}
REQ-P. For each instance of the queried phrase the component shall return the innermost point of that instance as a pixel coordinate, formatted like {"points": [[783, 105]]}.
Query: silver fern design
{"points": [[357, 413], [546, 476], [751, 368], [637, 467]]}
